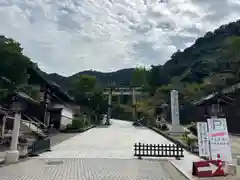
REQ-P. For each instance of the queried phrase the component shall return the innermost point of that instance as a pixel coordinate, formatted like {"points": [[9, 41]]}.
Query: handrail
{"points": [[29, 118], [35, 120], [30, 123]]}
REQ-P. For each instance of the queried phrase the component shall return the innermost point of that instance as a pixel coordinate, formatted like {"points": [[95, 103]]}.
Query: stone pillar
{"points": [[119, 99], [3, 125], [133, 104], [46, 113], [176, 127], [12, 155], [109, 106]]}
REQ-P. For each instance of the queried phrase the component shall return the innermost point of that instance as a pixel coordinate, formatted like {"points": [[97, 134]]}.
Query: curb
{"points": [[185, 147], [180, 170], [78, 130]]}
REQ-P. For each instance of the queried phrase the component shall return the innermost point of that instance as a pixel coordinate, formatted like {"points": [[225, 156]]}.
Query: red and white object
{"points": [[219, 140], [209, 168]]}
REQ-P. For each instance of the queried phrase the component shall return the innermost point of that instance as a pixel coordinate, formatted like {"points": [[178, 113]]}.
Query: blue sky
{"points": [[68, 36]]}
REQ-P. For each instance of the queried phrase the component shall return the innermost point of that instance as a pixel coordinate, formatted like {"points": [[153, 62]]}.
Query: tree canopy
{"points": [[13, 64]]}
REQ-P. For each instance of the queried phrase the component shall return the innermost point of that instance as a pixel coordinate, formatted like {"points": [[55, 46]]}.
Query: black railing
{"points": [[158, 150], [40, 146]]}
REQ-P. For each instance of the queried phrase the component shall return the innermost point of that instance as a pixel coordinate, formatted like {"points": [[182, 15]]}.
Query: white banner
{"points": [[219, 139], [203, 142]]}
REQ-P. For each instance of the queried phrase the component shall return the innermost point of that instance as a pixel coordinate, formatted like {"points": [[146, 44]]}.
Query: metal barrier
{"points": [[39, 146], [157, 150]]}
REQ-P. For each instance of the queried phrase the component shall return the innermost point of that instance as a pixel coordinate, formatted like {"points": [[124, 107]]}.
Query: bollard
{"points": [[238, 166]]}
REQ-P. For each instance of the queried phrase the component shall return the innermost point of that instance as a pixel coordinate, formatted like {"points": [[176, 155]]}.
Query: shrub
{"points": [[185, 134], [164, 127], [77, 123], [87, 122], [193, 128], [191, 139]]}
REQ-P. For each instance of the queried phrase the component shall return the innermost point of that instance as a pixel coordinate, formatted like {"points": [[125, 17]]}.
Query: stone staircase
{"points": [[33, 125]]}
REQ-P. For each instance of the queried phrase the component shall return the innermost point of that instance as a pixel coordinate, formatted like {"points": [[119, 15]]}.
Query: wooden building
{"points": [[53, 108], [222, 104]]}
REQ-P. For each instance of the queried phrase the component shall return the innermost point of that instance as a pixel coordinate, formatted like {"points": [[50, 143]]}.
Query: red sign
{"points": [[208, 168], [218, 134]]}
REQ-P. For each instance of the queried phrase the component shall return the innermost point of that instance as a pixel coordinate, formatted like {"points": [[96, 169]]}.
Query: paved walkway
{"points": [[100, 153], [114, 142]]}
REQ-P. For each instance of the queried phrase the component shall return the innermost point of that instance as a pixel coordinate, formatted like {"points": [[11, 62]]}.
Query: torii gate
{"points": [[130, 91]]}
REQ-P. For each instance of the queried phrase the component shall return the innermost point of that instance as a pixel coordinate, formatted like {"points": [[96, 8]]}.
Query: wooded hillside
{"points": [[200, 69], [211, 63]]}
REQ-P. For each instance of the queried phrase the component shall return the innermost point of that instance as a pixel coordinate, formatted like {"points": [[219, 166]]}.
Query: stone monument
{"points": [[176, 129], [12, 155]]}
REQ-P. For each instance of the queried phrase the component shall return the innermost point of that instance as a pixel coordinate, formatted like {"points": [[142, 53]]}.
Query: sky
{"points": [[68, 36]]}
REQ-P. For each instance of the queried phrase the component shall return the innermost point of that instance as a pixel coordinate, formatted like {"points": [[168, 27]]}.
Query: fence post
{"points": [[154, 150], [139, 150], [162, 149], [158, 150], [150, 146], [135, 146], [177, 149], [146, 150]]}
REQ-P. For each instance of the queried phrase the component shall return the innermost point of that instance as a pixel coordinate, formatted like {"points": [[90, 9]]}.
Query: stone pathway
{"points": [[101, 154], [85, 169], [98, 154], [114, 142]]}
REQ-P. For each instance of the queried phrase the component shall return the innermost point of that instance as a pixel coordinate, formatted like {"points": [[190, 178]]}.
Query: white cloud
{"points": [[67, 36]]}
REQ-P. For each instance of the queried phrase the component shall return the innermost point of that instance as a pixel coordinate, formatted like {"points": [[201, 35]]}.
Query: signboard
{"points": [[203, 142], [219, 139], [209, 168]]}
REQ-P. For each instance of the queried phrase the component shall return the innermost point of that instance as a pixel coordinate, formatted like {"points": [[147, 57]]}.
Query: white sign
{"points": [[203, 142], [174, 107], [219, 139]]}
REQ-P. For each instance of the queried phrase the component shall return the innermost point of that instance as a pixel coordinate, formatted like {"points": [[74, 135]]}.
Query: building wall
{"points": [[66, 115]]}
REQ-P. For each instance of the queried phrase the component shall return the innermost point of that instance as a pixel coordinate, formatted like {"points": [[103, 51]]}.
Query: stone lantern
{"points": [[12, 155]]}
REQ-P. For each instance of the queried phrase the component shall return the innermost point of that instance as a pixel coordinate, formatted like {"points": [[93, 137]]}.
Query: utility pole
{"points": [[109, 101], [134, 106], [109, 106]]}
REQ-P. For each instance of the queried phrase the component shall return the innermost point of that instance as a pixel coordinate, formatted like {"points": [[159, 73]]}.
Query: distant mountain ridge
{"points": [[205, 60], [120, 78]]}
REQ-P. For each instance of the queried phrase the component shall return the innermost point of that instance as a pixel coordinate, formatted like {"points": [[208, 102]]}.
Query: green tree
{"points": [[233, 52], [156, 78], [13, 64], [139, 78], [87, 93], [85, 84], [83, 89]]}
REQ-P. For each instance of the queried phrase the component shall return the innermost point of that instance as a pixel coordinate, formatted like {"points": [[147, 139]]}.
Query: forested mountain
{"points": [[211, 63], [206, 60], [206, 56], [120, 78]]}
